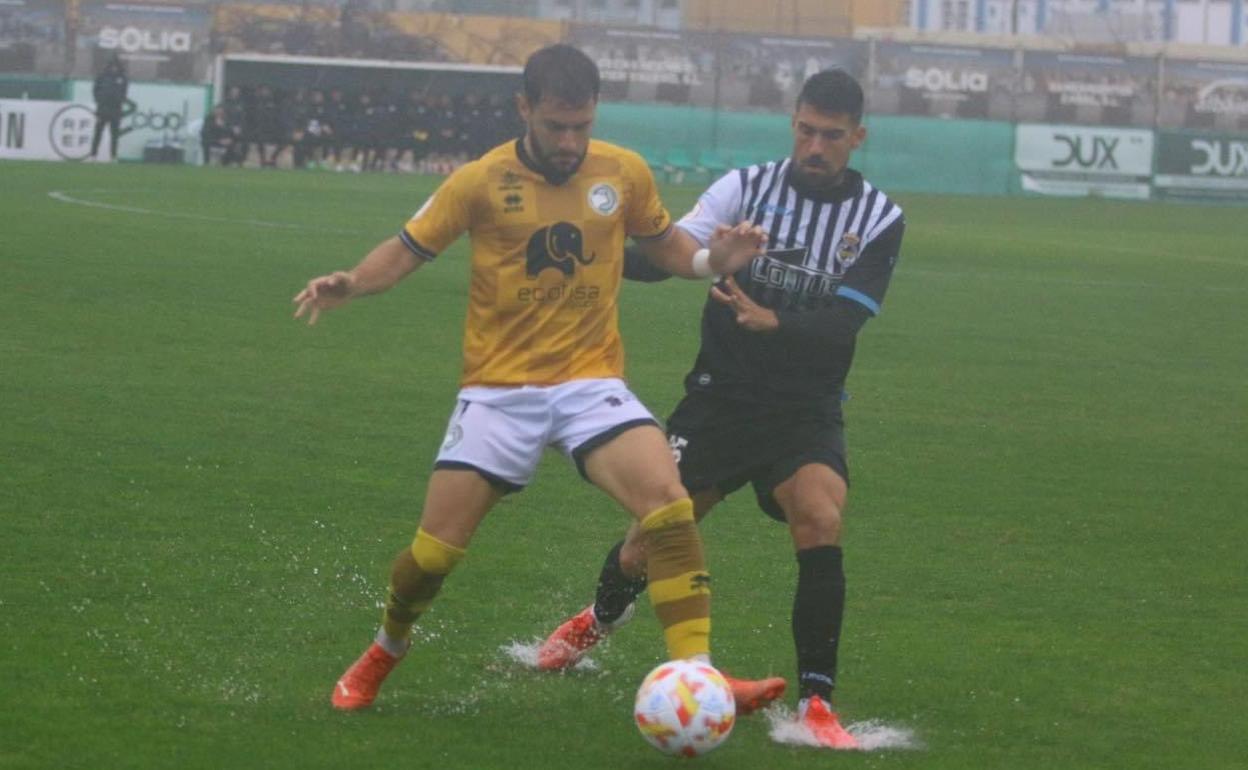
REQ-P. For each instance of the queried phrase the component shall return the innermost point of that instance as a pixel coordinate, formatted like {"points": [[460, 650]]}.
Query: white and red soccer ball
{"points": [[685, 707]]}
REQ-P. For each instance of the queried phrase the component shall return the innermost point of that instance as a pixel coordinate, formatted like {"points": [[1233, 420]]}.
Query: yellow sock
{"points": [[415, 579], [679, 585]]}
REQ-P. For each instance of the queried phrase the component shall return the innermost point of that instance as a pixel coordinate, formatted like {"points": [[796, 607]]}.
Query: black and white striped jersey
{"points": [[829, 253]]}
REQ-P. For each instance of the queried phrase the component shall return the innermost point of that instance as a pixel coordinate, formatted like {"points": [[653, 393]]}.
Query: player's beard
{"points": [[544, 160], [819, 181]]}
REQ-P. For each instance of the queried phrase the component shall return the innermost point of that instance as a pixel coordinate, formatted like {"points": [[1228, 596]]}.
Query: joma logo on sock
{"points": [[700, 583]]}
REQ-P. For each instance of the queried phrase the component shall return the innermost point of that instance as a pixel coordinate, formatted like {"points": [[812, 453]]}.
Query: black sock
{"points": [[615, 589], [818, 609]]}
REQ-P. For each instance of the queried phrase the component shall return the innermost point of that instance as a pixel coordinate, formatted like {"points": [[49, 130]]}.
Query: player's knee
{"points": [[814, 523], [663, 494]]}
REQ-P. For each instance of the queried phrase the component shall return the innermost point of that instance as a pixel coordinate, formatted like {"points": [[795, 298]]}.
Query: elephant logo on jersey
{"points": [[847, 250], [559, 246]]}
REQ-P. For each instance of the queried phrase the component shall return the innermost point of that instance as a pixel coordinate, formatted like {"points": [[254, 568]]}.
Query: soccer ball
{"points": [[685, 707]]}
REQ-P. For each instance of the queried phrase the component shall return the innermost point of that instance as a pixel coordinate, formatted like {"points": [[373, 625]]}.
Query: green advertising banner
{"points": [[1202, 165]]}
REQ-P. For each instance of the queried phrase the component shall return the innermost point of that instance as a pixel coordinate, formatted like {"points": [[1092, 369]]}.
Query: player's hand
{"points": [[324, 293], [750, 314], [734, 247]]}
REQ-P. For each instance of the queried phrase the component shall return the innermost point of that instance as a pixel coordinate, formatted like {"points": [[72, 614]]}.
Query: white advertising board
{"points": [[45, 130], [1084, 160], [162, 113]]}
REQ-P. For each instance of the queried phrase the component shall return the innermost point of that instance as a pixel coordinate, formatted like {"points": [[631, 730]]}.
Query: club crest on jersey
{"points": [[847, 250], [559, 246], [603, 199]]}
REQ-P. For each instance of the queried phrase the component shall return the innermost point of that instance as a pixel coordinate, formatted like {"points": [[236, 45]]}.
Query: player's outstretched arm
{"points": [[383, 267], [729, 250]]}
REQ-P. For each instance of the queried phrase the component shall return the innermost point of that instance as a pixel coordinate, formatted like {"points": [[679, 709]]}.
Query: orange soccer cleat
{"points": [[358, 686], [570, 641], [825, 726], [754, 694]]}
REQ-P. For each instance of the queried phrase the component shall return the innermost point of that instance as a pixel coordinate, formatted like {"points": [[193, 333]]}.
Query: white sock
{"points": [[396, 647]]}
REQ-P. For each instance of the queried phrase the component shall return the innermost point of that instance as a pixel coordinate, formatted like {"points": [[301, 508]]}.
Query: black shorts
{"points": [[722, 443]]}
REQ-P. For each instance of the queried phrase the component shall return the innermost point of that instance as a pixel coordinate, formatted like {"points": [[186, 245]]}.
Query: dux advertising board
{"points": [[162, 114], [1192, 165], [1083, 160], [44, 130]]}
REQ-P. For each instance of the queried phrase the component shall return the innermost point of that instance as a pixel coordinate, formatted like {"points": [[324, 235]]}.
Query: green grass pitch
{"points": [[200, 497]]}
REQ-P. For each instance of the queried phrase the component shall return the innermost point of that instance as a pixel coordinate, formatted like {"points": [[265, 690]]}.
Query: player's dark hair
{"points": [[561, 72], [833, 92]]}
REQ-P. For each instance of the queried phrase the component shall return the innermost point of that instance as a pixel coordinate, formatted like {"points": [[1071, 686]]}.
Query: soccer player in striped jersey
{"points": [[543, 362], [763, 400]]}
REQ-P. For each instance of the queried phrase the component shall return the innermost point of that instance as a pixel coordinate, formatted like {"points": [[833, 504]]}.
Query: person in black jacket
{"points": [[217, 134], [109, 91]]}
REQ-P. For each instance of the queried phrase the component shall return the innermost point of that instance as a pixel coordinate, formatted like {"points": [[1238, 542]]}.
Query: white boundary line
{"points": [[64, 197]]}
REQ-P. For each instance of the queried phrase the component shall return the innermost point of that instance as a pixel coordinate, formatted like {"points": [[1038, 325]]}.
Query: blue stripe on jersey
{"points": [[414, 246], [860, 298]]}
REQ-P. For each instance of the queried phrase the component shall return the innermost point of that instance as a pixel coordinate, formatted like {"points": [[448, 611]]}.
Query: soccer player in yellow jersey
{"points": [[547, 216]]}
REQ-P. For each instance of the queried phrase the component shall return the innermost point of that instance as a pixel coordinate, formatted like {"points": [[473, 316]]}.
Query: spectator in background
{"points": [[268, 127], [393, 135], [110, 89], [294, 121], [446, 145], [217, 139], [475, 133], [416, 119], [358, 130], [235, 108], [319, 133], [341, 117], [503, 119]]}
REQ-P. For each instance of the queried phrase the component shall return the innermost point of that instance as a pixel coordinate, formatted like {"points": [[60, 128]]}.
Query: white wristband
{"points": [[701, 263]]}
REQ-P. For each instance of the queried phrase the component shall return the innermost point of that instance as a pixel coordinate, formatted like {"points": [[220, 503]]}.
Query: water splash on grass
{"points": [[525, 653], [872, 734]]}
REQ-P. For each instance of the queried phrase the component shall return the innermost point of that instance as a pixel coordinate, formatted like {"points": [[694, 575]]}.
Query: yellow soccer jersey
{"points": [[547, 260]]}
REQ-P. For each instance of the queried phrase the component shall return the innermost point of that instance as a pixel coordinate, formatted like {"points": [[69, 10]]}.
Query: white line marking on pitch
{"points": [[65, 197]]}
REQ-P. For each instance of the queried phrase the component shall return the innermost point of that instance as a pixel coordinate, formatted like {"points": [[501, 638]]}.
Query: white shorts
{"points": [[501, 432]]}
